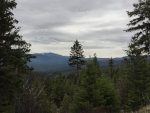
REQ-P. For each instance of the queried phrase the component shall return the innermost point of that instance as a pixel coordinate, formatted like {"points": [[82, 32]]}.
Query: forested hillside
{"points": [[51, 62], [79, 84]]}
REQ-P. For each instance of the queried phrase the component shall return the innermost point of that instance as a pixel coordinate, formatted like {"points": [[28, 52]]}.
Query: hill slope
{"points": [[51, 62]]}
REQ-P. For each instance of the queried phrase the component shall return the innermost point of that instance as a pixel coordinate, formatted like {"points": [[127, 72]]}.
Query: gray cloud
{"points": [[53, 25], [96, 47]]}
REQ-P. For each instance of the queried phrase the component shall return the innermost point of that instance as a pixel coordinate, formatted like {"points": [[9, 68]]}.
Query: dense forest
{"points": [[87, 89]]}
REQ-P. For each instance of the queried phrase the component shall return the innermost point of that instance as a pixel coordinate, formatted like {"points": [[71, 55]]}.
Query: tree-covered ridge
{"points": [[51, 62]]}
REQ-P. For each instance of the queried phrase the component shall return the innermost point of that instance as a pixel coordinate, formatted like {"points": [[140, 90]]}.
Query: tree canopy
{"points": [[76, 55], [14, 55], [140, 24]]}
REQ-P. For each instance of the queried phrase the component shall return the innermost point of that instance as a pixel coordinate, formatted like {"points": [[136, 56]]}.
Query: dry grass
{"points": [[143, 110]]}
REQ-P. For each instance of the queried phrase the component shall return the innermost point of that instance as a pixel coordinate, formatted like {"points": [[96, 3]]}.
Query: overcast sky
{"points": [[53, 25]]}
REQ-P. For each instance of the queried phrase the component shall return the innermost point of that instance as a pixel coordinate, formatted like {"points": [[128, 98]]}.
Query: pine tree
{"points": [[76, 55], [105, 96], [95, 93], [12, 48], [140, 24], [83, 98], [58, 89], [138, 72], [138, 79], [96, 63], [111, 63], [13, 56]]}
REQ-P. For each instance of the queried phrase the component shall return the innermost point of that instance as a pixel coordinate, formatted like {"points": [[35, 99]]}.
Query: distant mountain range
{"points": [[51, 62]]}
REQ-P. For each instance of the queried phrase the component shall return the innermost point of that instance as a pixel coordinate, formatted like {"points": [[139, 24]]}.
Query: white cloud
{"points": [[53, 25]]}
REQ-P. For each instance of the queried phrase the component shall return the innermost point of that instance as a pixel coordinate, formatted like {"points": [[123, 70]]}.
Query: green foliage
{"points": [[66, 104], [95, 61], [14, 50], [137, 64], [69, 87], [9, 87], [138, 78], [83, 97], [58, 89], [33, 98], [105, 96], [48, 85], [138, 82], [14, 55], [140, 24], [76, 55], [95, 92], [111, 67]]}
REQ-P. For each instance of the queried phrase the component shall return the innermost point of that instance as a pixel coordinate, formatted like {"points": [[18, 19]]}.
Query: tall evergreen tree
{"points": [[96, 93], [111, 63], [138, 73], [96, 63], [84, 96], [58, 89], [138, 79], [76, 55], [13, 56], [105, 96], [140, 24]]}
